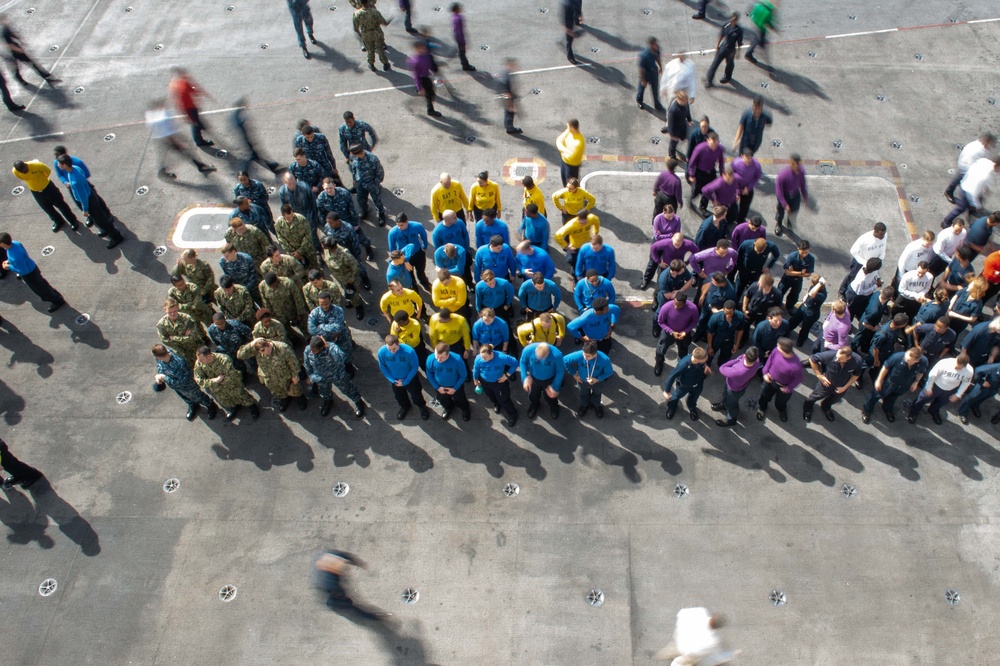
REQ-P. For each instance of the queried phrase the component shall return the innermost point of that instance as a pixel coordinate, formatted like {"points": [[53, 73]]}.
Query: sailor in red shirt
{"points": [[991, 271], [183, 92]]}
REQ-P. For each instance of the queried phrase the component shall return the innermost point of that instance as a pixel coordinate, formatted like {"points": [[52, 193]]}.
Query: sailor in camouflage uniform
{"points": [[255, 191], [270, 328], [253, 215], [283, 265], [353, 132], [198, 273], [241, 267], [344, 235], [277, 369], [338, 200], [215, 373], [180, 332], [300, 197], [248, 239], [172, 371], [284, 299], [317, 148], [368, 22], [326, 367], [189, 300], [327, 321], [228, 335], [368, 175], [235, 301], [306, 171], [295, 236], [317, 285], [344, 269]]}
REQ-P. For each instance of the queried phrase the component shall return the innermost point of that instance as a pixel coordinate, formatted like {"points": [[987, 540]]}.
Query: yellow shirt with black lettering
{"points": [[409, 334], [535, 196], [533, 331], [452, 331], [487, 197], [37, 178], [409, 302], [576, 235], [573, 202], [450, 198]]}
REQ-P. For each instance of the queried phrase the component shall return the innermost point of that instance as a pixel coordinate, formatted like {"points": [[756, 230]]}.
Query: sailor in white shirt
{"points": [[870, 245], [971, 152], [947, 381], [864, 284], [679, 74], [946, 245], [916, 251], [912, 290], [976, 183], [696, 640]]}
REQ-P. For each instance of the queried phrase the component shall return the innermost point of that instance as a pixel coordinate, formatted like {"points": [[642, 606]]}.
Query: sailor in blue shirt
{"points": [[982, 344], [720, 290], [531, 260], [446, 372], [725, 332], [766, 333], [799, 265], [985, 385], [689, 378], [17, 260], [490, 226], [596, 323], [490, 330], [672, 281], [492, 371], [399, 364], [62, 176], [399, 271], [597, 256], [538, 295], [593, 287], [451, 257], [497, 256], [92, 205], [173, 371], [496, 293], [253, 215], [535, 227], [590, 368], [411, 238], [542, 371], [899, 375], [936, 339]]}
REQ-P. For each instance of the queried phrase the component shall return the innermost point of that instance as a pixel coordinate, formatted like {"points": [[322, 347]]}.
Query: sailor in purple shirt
{"points": [[752, 229], [748, 168], [724, 191], [667, 189], [677, 319], [702, 168], [721, 258], [782, 373], [790, 188], [422, 65], [739, 372], [665, 250], [458, 31], [666, 224]]}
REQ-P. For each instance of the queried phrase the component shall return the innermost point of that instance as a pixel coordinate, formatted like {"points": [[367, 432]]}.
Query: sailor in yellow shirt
{"points": [[572, 199], [453, 329], [449, 293], [35, 175], [448, 194], [547, 327], [571, 145], [532, 194], [575, 234], [400, 299], [410, 332], [485, 194]]}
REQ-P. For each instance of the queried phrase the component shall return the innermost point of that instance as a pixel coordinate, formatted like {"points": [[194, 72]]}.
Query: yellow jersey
{"points": [[576, 235]]}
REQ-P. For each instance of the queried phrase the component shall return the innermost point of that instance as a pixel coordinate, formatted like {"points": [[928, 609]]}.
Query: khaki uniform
{"points": [[296, 236], [311, 293], [275, 370], [183, 336], [288, 267], [275, 332], [285, 302], [191, 304], [344, 268], [238, 305], [201, 277], [252, 242], [230, 392], [369, 22]]}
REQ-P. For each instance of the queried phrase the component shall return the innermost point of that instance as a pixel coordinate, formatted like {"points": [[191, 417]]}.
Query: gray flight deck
{"points": [[500, 580]]}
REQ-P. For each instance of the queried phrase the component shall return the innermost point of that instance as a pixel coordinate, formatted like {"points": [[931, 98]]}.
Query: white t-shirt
{"points": [[948, 242], [946, 376], [913, 254], [981, 176], [679, 75], [971, 152], [868, 247], [692, 634], [160, 123]]}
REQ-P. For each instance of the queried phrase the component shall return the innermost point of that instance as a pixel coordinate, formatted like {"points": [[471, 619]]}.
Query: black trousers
{"points": [[744, 209], [590, 394], [701, 179], [729, 57], [566, 172], [419, 263], [18, 470], [197, 127], [667, 341], [5, 93], [101, 216], [662, 200], [409, 394], [538, 387], [456, 399], [427, 85], [827, 397], [499, 395], [23, 57], [772, 390], [41, 287], [52, 202]]}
